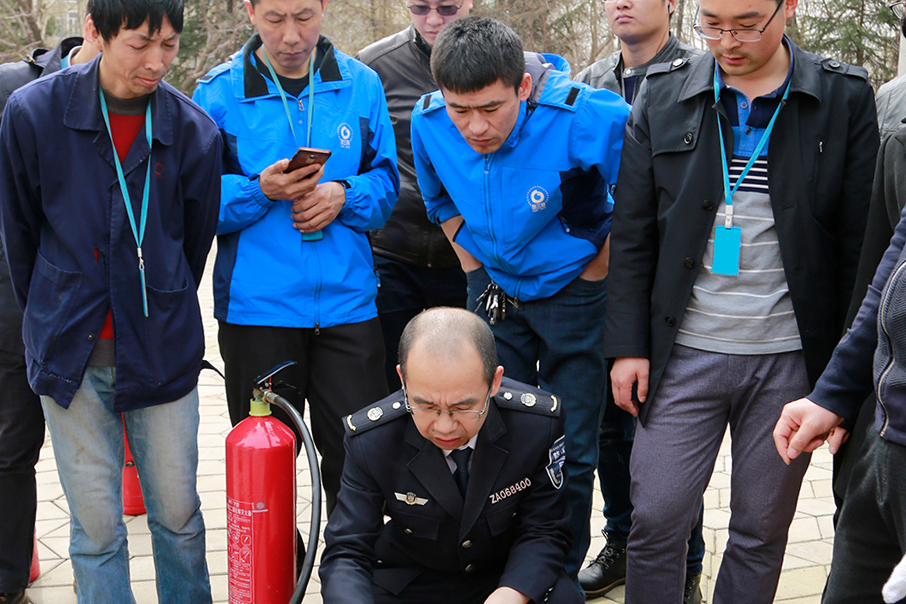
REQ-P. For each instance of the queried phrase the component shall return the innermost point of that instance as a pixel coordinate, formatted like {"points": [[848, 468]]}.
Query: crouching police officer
{"points": [[467, 465]]}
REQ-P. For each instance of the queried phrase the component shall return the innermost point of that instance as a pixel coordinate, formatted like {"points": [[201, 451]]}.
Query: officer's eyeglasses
{"points": [[444, 10], [899, 9], [745, 34], [460, 415]]}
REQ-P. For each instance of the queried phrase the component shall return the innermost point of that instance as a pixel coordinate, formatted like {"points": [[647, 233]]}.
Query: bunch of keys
{"points": [[495, 300]]}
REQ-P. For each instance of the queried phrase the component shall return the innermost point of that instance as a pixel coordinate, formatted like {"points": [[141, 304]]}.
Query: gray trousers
{"points": [[673, 459]]}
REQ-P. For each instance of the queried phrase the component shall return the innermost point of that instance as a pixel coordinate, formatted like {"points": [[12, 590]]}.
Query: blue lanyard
{"points": [[137, 233], [728, 193], [311, 92]]}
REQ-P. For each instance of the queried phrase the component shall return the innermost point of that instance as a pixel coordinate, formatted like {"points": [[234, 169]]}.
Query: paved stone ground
{"points": [[805, 567]]}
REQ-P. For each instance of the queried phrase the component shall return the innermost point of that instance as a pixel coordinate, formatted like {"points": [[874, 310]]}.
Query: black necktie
{"points": [[461, 475]]}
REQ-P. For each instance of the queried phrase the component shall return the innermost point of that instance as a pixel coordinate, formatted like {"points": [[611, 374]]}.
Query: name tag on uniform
{"points": [[410, 499], [727, 243]]}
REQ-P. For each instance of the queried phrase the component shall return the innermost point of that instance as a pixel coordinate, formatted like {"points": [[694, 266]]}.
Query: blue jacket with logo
{"points": [[71, 251], [537, 209], [265, 274]]}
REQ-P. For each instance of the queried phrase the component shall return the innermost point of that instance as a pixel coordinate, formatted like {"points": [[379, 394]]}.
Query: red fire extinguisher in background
{"points": [[261, 502], [35, 570], [133, 500]]}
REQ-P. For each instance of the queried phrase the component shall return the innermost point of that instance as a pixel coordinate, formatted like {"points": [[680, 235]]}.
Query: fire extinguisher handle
{"points": [[314, 534]]}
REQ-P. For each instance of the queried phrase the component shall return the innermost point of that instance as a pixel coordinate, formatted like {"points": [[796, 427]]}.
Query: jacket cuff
{"points": [[252, 190], [446, 211]]}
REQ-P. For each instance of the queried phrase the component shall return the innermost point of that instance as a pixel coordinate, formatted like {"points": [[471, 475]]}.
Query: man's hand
{"points": [[626, 372], [598, 267], [277, 185], [804, 426], [507, 595], [466, 260], [317, 209]]}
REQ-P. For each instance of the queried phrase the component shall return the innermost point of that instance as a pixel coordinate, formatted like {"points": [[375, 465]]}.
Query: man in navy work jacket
{"points": [[469, 468], [294, 276], [514, 160], [739, 214], [109, 191]]}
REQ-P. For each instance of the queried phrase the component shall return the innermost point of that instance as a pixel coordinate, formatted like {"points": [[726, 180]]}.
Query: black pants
{"points": [[404, 291], [871, 533], [339, 370], [21, 437]]}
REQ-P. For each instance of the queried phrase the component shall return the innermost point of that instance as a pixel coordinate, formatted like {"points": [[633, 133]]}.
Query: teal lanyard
{"points": [[311, 92], [137, 233], [728, 193]]}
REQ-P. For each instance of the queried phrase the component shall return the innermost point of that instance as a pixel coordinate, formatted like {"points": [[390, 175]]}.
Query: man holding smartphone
{"points": [[294, 277]]}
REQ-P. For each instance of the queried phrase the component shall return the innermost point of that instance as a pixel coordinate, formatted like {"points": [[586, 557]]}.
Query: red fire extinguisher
{"points": [[261, 501], [261, 509], [35, 570], [133, 501]]}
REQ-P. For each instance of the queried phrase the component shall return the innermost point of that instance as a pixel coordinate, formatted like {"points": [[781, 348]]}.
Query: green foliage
{"points": [[859, 32], [212, 31], [50, 28]]}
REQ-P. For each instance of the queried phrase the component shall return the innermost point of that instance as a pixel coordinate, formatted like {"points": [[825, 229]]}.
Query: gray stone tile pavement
{"points": [[805, 567]]}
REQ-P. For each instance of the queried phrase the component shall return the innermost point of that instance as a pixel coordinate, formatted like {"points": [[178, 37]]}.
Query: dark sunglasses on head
{"points": [[444, 10]]}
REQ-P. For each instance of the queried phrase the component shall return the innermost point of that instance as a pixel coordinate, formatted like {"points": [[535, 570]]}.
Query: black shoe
{"points": [[14, 598], [606, 572], [692, 592]]}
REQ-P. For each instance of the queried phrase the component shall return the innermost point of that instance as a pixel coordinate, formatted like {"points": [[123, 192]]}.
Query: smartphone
{"points": [[306, 156]]}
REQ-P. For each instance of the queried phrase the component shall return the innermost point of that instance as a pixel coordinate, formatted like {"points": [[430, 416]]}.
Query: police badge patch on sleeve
{"points": [[557, 455]]}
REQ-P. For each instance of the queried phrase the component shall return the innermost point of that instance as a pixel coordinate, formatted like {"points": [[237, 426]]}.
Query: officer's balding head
{"points": [[448, 365], [448, 333]]}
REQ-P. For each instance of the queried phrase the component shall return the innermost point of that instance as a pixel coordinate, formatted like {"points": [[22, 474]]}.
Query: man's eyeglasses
{"points": [[899, 9], [460, 415], [746, 34], [444, 10]]}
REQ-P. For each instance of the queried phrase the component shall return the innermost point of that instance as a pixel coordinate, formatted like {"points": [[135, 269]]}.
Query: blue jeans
{"points": [[557, 344], [88, 446]]}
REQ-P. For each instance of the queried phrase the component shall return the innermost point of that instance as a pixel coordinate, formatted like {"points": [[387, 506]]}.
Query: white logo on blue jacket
{"points": [[344, 131], [537, 198]]}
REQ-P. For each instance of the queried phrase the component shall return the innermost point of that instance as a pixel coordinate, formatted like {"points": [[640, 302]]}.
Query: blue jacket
{"points": [[71, 251], [265, 274], [537, 209]]}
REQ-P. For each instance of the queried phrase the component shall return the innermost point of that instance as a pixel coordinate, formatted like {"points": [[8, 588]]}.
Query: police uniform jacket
{"points": [[821, 160], [512, 524]]}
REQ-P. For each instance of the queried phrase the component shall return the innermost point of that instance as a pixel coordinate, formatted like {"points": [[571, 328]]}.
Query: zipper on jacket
{"points": [[881, 316], [487, 202], [318, 284]]}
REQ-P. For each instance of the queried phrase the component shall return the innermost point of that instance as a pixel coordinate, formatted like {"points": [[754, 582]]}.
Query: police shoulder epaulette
{"points": [[381, 412], [532, 400], [214, 72], [658, 68], [844, 68]]}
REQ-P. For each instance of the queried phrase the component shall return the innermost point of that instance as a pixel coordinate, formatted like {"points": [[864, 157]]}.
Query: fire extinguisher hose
{"points": [[309, 563]]}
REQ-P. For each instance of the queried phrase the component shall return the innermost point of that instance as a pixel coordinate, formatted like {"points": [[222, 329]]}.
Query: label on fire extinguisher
{"points": [[240, 547]]}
